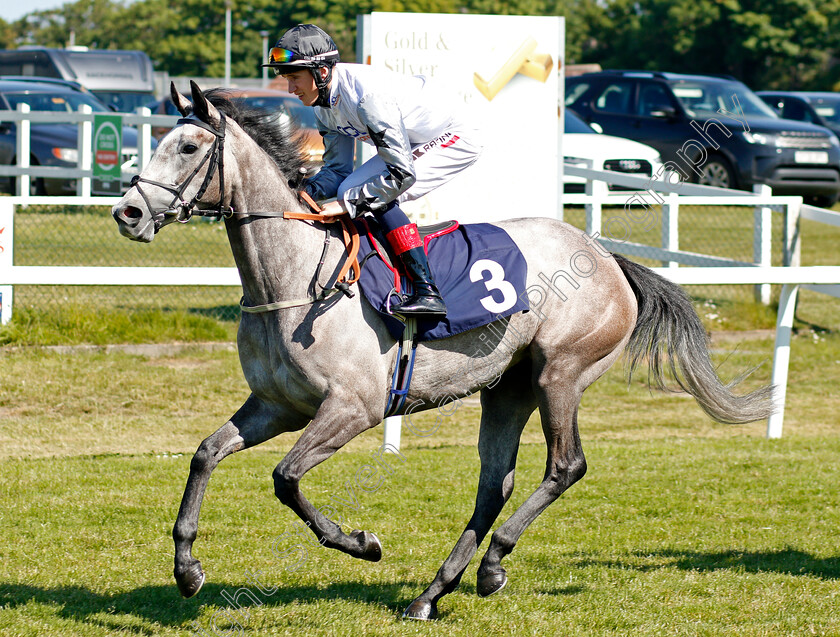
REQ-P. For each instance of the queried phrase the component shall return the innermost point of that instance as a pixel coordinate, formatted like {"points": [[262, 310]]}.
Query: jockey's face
{"points": [[302, 84]]}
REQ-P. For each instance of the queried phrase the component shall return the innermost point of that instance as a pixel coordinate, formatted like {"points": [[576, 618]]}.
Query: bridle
{"points": [[181, 211], [178, 209]]}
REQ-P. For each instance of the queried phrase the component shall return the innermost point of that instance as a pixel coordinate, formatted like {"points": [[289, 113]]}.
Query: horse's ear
{"points": [[180, 102], [203, 109]]}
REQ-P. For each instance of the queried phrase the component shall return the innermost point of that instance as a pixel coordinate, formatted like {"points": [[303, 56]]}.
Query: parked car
{"points": [[712, 130], [122, 80], [54, 144], [290, 108], [815, 107], [584, 146]]}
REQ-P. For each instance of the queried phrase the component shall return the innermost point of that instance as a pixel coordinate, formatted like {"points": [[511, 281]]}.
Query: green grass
{"points": [[680, 527], [74, 323], [664, 537], [88, 236]]}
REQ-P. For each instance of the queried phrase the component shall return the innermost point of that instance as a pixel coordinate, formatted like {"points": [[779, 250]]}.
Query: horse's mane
{"points": [[283, 143]]}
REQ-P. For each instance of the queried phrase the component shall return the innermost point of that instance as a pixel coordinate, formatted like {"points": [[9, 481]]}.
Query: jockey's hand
{"points": [[331, 208]]}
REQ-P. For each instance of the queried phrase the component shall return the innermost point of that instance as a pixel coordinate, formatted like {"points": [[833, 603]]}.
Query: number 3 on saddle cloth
{"points": [[478, 269]]}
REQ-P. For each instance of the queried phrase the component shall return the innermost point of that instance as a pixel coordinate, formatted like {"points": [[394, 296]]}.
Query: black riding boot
{"points": [[426, 298]]}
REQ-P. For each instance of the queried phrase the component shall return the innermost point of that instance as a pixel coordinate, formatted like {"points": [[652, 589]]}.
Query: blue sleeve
{"points": [[338, 164]]}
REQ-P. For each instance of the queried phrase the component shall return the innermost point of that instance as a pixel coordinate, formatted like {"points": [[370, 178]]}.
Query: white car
{"points": [[582, 144]]}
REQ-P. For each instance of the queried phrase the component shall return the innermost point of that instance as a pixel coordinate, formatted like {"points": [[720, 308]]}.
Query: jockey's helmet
{"points": [[306, 46]]}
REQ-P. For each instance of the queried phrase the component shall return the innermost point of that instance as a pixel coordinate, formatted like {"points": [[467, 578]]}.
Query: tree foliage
{"points": [[790, 44]]}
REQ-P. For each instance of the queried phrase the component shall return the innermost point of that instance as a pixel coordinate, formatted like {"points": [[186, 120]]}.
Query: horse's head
{"points": [[186, 172]]}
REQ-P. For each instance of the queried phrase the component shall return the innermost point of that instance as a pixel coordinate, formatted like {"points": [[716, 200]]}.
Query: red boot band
{"points": [[404, 238]]}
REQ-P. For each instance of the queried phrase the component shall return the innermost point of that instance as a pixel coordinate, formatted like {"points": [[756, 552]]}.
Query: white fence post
{"points": [[23, 151], [144, 140], [393, 427], [762, 241], [791, 244], [597, 191], [7, 244], [781, 357], [85, 147], [671, 227]]}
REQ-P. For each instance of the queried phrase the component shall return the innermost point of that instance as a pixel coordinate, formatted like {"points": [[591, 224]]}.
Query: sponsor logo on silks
{"points": [[351, 131], [444, 141]]}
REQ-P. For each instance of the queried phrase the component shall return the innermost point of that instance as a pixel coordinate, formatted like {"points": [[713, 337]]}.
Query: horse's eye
{"points": [[189, 149]]}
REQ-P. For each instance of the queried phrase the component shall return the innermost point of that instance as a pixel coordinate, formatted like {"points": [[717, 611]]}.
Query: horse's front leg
{"points": [[255, 422], [339, 420]]}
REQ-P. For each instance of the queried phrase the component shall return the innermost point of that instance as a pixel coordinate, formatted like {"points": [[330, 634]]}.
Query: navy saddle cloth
{"points": [[478, 269]]}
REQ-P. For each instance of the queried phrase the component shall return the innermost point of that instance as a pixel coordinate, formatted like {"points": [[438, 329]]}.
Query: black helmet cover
{"points": [[306, 46]]}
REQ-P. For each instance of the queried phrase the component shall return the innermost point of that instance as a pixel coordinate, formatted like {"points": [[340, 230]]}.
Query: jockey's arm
{"points": [[338, 164], [383, 120]]}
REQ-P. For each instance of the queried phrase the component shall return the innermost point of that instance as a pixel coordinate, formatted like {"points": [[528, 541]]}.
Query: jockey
{"points": [[420, 141]]}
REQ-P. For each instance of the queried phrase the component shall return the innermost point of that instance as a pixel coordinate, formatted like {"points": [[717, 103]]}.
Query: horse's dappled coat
{"points": [[324, 368]]}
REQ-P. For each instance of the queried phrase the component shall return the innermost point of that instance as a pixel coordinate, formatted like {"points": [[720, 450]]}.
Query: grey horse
{"points": [[323, 365]]}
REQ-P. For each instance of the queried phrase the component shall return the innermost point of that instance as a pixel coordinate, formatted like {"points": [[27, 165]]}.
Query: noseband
{"points": [[178, 209]]}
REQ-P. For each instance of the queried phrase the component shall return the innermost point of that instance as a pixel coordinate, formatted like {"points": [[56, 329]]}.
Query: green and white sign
{"points": [[107, 146]]}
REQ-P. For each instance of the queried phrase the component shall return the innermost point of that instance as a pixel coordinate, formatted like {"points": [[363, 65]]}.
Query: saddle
{"points": [[351, 270], [369, 226], [478, 268]]}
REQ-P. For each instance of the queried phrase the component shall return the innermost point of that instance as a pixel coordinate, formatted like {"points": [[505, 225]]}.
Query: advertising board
{"points": [[507, 71]]}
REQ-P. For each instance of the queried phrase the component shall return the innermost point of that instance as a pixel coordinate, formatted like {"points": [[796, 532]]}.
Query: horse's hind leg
{"points": [[565, 465], [568, 356], [254, 423], [505, 410]]}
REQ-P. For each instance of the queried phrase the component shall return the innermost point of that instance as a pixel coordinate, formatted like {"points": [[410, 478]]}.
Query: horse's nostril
{"points": [[132, 213]]}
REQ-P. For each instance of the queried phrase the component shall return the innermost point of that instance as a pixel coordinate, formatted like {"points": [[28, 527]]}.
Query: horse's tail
{"points": [[668, 331]]}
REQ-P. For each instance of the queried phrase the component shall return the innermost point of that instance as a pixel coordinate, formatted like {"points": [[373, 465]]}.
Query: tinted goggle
{"points": [[278, 55]]}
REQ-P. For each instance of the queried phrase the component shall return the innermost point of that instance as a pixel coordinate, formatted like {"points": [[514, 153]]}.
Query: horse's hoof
{"points": [[421, 609], [371, 546], [189, 580], [489, 583]]}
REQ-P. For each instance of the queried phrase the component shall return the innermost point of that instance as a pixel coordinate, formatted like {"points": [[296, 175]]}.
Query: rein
{"points": [[182, 211], [340, 282]]}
